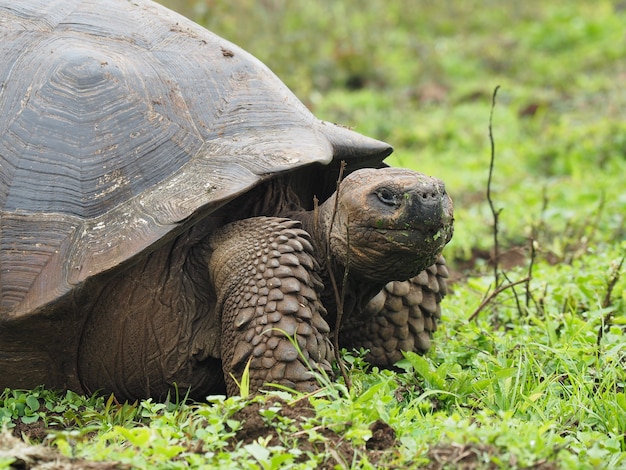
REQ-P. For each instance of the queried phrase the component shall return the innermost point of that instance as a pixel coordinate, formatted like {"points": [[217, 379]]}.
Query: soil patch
{"points": [[36, 431], [471, 457], [257, 422], [32, 457]]}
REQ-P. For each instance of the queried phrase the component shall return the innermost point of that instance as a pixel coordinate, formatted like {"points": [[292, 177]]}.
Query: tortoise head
{"points": [[389, 223]]}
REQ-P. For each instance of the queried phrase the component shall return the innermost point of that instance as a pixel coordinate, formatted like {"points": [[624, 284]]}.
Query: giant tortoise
{"points": [[171, 213]]}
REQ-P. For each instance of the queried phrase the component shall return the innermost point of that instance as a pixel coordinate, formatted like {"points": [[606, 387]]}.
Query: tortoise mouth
{"points": [[409, 240], [396, 254], [410, 244], [423, 230]]}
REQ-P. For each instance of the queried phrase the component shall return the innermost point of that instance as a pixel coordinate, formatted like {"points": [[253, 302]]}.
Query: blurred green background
{"points": [[420, 75]]}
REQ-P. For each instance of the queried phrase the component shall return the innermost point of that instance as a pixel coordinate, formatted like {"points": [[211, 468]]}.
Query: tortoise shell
{"points": [[122, 123]]}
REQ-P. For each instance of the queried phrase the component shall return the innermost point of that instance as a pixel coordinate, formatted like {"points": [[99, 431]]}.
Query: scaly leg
{"points": [[268, 288], [401, 317]]}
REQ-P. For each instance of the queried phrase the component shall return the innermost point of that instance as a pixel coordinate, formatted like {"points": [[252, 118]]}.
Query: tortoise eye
{"points": [[387, 196]]}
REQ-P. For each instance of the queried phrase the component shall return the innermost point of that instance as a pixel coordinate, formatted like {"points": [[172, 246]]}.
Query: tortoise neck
{"points": [[358, 290]]}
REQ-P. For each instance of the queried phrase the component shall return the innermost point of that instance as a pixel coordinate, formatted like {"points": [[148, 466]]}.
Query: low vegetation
{"points": [[528, 368]]}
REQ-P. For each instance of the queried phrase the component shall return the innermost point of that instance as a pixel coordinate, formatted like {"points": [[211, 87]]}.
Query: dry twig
{"points": [[533, 257], [339, 295], [607, 301], [494, 212], [493, 295]]}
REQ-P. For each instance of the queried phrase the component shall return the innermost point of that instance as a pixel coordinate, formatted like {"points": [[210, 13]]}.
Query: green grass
{"points": [[526, 383]]}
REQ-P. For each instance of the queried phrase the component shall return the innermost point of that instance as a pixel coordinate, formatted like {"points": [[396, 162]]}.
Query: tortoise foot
{"points": [[272, 318]]}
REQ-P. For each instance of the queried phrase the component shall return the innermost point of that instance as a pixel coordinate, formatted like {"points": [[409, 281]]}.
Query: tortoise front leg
{"points": [[267, 286], [401, 317]]}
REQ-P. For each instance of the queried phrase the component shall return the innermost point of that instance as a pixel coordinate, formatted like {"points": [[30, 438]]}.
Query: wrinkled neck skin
{"points": [[358, 290]]}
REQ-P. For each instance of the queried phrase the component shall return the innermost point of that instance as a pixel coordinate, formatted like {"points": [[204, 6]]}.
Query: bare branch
{"points": [[493, 295], [494, 212], [339, 296], [607, 301], [329, 264], [531, 265], [517, 301]]}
